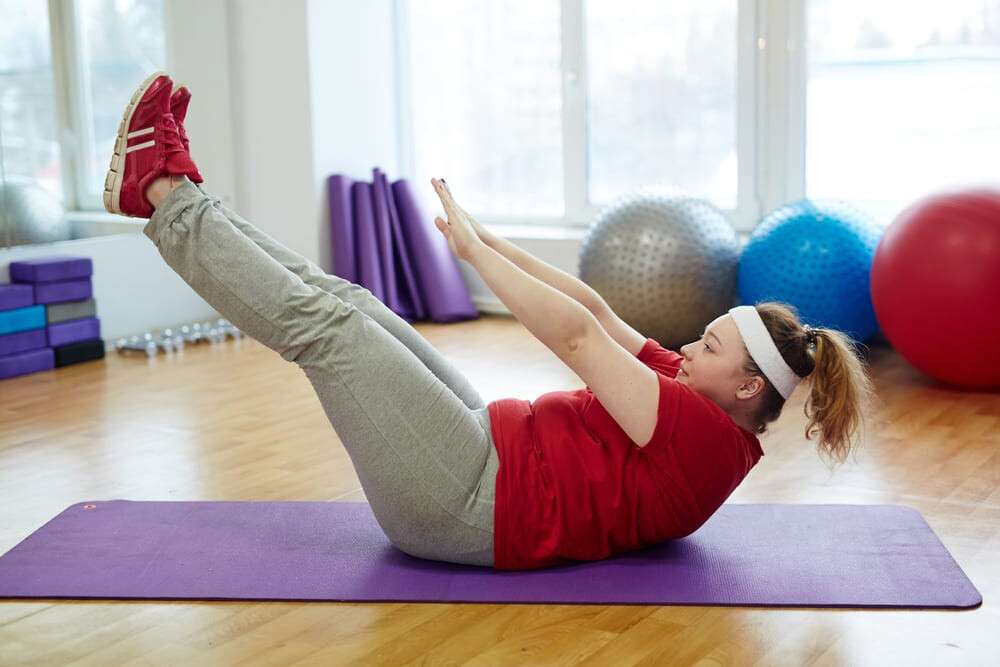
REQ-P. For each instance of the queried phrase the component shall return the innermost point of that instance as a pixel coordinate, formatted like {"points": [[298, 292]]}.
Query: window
{"points": [[661, 80], [486, 101], [67, 69], [902, 97], [503, 95], [27, 96], [547, 110], [121, 42]]}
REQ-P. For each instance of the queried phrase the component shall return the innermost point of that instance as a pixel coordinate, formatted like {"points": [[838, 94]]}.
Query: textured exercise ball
{"points": [[816, 257], [936, 286], [664, 262], [32, 213]]}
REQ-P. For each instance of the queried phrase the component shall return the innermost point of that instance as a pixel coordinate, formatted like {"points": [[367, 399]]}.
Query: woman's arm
{"points": [[554, 318], [569, 285], [551, 316]]}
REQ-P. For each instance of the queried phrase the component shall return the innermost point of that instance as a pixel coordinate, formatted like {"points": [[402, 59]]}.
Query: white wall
{"points": [[272, 121], [134, 288], [284, 93], [353, 97]]}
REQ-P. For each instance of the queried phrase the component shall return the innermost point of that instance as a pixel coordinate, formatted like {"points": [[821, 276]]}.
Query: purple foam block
{"points": [[48, 269], [23, 341], [16, 296], [72, 331], [63, 291], [761, 555], [23, 363]]}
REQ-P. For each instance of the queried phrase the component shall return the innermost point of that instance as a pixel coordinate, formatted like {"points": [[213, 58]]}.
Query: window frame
{"points": [[74, 131], [770, 146]]}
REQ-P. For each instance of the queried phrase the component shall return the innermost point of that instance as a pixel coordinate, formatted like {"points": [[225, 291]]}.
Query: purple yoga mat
{"points": [[342, 227], [47, 269], [31, 361], [406, 276], [404, 299], [770, 555], [32, 339], [16, 296], [384, 250], [366, 241], [72, 331], [436, 268], [63, 291]]}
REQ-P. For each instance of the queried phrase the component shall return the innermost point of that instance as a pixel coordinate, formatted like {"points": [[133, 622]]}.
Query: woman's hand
{"points": [[460, 229]]}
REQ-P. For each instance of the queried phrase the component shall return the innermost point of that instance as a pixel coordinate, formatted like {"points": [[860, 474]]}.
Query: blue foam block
{"points": [[22, 319]]}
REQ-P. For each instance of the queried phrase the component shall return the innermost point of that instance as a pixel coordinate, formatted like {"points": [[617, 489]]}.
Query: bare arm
{"points": [[554, 318], [569, 285], [551, 316]]}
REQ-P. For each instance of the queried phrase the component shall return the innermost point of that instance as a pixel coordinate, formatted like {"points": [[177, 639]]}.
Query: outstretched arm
{"points": [[550, 315], [554, 318]]}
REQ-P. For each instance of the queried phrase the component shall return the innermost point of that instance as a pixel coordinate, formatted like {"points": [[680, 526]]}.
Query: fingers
{"points": [[445, 195]]}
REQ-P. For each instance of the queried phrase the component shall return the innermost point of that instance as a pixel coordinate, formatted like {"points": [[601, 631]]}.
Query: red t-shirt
{"points": [[572, 486]]}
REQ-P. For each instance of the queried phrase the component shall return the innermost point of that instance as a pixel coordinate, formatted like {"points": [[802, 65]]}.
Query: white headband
{"points": [[763, 350]]}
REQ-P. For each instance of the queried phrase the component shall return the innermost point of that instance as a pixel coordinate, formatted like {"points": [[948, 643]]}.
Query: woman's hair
{"points": [[840, 390]]}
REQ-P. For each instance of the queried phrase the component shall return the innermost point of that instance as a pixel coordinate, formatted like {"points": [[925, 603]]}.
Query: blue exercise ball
{"points": [[818, 258]]}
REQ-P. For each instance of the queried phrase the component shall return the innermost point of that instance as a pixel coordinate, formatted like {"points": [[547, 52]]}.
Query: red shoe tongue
{"points": [[177, 160], [180, 162]]}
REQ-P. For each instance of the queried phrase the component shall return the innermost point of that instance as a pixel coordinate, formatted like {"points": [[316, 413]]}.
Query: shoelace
{"points": [[171, 142]]}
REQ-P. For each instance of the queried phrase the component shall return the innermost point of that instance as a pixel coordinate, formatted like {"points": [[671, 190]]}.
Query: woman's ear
{"points": [[751, 387]]}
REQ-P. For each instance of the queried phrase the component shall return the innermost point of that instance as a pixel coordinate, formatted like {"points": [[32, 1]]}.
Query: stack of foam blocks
{"points": [[48, 316]]}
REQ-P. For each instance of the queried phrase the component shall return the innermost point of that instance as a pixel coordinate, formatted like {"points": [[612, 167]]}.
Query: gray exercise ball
{"points": [[665, 262], [30, 213]]}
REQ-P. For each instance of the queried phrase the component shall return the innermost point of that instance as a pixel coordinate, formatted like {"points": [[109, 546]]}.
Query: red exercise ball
{"points": [[935, 285]]}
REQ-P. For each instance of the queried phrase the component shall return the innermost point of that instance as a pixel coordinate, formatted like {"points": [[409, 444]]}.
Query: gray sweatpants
{"points": [[417, 432]]}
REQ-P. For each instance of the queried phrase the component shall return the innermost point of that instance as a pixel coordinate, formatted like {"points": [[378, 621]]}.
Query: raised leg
{"points": [[364, 301], [425, 460]]}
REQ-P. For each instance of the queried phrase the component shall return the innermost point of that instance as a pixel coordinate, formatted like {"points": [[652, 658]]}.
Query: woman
{"points": [[513, 484]]}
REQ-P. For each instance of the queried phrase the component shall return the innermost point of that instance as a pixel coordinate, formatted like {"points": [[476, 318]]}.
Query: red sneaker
{"points": [[179, 100], [148, 146]]}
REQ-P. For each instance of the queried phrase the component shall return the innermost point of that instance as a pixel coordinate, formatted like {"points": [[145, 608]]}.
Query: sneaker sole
{"points": [[116, 170]]}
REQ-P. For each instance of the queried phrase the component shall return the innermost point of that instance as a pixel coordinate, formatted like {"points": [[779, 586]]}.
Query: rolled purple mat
{"points": [[410, 305], [384, 248], [63, 291], [23, 363], [342, 227], [366, 241], [49, 269], [16, 295], [73, 331], [23, 341], [436, 268]]}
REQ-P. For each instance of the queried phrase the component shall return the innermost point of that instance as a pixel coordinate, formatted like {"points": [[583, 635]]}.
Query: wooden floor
{"points": [[236, 422]]}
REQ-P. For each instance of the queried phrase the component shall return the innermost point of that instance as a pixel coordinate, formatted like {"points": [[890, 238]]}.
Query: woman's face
{"points": [[714, 364]]}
